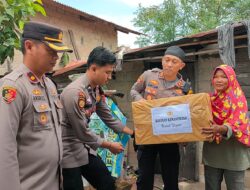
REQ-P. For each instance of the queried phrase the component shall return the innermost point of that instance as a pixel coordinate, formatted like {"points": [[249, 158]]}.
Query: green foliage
{"points": [[64, 59], [13, 15], [176, 18]]}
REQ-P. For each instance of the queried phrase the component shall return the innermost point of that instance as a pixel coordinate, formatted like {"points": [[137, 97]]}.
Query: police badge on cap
{"points": [[49, 35]]}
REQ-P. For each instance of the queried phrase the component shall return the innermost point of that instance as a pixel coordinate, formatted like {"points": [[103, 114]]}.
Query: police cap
{"points": [[50, 35]]}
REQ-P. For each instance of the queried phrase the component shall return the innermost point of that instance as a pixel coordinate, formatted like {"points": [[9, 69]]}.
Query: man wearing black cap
{"points": [[154, 84], [30, 114]]}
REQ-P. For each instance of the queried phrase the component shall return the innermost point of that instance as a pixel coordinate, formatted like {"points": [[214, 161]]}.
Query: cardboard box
{"points": [[199, 111]]}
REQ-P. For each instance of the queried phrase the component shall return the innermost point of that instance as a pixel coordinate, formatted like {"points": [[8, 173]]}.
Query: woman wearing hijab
{"points": [[228, 154]]}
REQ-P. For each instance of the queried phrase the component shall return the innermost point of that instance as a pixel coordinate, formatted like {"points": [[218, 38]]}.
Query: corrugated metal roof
{"points": [[87, 16], [73, 66], [190, 40]]}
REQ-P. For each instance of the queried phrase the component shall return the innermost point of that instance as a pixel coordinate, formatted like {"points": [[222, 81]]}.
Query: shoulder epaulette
{"points": [[155, 70], [13, 76]]}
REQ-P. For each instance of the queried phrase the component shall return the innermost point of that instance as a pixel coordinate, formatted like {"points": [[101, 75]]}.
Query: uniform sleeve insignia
{"points": [[81, 103], [81, 100], [32, 78], [9, 94]]}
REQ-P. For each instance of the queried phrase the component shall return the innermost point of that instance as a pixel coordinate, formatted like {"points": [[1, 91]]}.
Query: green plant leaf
{"points": [[64, 59], [13, 15], [10, 12], [21, 24], [39, 8], [39, 1]]}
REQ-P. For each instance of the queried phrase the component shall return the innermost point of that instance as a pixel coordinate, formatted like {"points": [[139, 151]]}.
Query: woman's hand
{"points": [[214, 132]]}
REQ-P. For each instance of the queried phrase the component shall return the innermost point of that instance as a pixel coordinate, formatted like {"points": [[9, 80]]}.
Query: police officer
{"points": [[80, 99], [154, 84], [30, 114]]}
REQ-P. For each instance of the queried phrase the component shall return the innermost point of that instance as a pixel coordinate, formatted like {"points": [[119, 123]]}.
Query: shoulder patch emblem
{"points": [[9, 94], [81, 100], [81, 103]]}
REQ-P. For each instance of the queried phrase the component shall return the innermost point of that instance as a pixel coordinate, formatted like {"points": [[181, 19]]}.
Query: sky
{"points": [[120, 12]]}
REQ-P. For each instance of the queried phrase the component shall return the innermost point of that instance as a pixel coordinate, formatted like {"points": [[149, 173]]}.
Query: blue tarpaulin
{"points": [[113, 162]]}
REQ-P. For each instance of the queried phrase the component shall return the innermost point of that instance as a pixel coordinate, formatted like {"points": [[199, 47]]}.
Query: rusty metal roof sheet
{"points": [[188, 40], [72, 66]]}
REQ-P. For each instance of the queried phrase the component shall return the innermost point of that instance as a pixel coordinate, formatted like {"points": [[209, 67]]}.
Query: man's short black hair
{"points": [[101, 57], [23, 46]]}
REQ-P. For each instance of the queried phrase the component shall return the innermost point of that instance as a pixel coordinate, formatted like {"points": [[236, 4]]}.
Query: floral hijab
{"points": [[230, 107]]}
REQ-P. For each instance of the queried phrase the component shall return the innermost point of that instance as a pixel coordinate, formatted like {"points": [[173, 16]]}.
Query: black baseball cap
{"points": [[175, 51], [49, 35]]}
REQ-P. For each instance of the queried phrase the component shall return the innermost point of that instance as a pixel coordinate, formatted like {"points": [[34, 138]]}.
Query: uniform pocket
{"points": [[42, 116], [59, 107]]}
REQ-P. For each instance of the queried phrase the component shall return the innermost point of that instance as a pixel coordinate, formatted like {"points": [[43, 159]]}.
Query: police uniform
{"points": [[30, 132], [80, 101], [152, 85]]}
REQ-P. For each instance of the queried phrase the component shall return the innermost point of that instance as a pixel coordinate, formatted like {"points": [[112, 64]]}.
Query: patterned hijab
{"points": [[230, 107]]}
